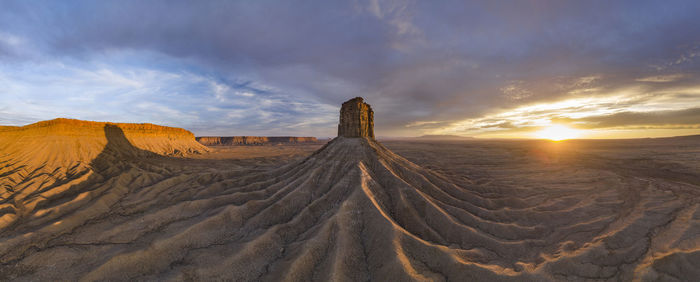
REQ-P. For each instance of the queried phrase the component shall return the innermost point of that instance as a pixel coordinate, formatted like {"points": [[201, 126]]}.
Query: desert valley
{"points": [[107, 201], [363, 140]]}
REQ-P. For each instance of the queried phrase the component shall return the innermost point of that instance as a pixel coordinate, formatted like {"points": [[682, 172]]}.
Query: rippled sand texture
{"points": [[603, 209], [353, 210]]}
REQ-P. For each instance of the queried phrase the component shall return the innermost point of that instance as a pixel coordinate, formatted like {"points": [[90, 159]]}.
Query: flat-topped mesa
{"points": [[356, 119], [252, 140]]}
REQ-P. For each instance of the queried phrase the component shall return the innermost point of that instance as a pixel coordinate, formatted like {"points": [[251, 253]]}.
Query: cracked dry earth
{"points": [[352, 210]]}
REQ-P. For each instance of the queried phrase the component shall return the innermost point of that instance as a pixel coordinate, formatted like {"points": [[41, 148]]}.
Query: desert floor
{"points": [[353, 210], [654, 219]]}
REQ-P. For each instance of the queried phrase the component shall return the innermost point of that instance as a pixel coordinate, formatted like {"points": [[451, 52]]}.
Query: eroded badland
{"points": [[107, 201]]}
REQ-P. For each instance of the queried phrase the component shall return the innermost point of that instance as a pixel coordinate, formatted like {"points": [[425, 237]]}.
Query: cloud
{"points": [[662, 78], [515, 91], [624, 108], [416, 62], [657, 119], [14, 47], [128, 93]]}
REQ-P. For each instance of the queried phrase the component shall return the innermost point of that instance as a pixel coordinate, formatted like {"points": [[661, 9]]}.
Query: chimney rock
{"points": [[356, 119]]}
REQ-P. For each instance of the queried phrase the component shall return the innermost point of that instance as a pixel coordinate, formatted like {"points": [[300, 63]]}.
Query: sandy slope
{"points": [[353, 210], [44, 162]]}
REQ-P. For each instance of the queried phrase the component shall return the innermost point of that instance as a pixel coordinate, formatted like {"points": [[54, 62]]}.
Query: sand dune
{"points": [[119, 208]]}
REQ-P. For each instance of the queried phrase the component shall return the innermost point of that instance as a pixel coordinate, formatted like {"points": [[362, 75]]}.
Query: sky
{"points": [[512, 69]]}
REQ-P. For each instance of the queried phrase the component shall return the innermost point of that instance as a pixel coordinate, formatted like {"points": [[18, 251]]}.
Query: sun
{"points": [[558, 132]]}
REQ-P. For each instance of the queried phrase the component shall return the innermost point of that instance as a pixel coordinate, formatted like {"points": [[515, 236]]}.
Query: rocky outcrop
{"points": [[288, 139], [66, 126], [356, 119], [353, 210], [43, 163], [83, 140], [253, 140]]}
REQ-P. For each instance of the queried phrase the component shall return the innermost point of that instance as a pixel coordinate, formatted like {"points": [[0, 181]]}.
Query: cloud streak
{"points": [[274, 67]]}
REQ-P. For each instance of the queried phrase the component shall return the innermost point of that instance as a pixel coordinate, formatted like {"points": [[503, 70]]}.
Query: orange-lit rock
{"points": [[253, 140], [356, 119]]}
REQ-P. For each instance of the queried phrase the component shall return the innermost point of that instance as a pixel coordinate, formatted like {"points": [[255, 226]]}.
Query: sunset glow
{"points": [[558, 132], [373, 140], [497, 79], [629, 113]]}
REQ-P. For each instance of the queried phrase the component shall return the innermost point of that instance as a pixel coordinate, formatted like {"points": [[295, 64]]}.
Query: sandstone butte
{"points": [[252, 140], [351, 211], [356, 119]]}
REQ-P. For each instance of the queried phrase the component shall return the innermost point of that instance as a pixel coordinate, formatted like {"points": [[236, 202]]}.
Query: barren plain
{"points": [[101, 201]]}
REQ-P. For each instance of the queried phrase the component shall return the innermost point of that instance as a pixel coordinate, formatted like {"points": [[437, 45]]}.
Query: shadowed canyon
{"points": [[108, 201]]}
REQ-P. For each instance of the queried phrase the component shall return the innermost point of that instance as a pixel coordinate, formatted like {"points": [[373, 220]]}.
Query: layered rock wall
{"points": [[253, 140], [79, 135], [356, 119]]}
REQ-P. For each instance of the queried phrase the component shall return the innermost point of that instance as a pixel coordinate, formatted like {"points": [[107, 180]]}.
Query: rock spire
{"points": [[356, 119]]}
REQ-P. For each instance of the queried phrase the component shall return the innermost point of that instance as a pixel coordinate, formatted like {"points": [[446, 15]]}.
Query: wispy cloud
{"points": [[626, 109], [280, 67], [662, 78], [515, 91], [130, 93]]}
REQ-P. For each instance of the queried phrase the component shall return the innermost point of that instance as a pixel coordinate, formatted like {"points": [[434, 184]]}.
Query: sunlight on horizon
{"points": [[558, 132], [626, 113]]}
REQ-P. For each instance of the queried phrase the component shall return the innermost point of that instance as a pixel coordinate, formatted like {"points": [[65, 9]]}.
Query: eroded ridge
{"points": [[41, 163], [353, 210]]}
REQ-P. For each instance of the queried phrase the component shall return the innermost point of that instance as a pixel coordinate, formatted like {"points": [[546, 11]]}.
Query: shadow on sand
{"points": [[117, 156]]}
